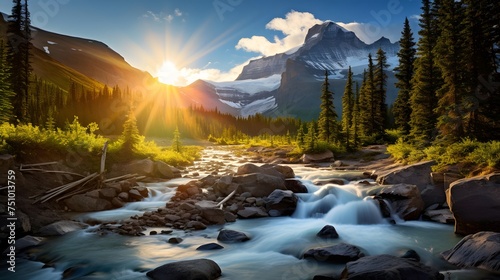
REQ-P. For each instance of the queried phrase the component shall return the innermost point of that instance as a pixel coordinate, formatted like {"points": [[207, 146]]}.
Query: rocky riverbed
{"points": [[324, 197]]}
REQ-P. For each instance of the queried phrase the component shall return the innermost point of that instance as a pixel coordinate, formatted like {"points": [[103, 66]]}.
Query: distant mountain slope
{"points": [[91, 58]]}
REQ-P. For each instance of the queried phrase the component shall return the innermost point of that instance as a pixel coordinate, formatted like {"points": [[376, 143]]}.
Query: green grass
{"points": [[80, 146], [466, 152]]}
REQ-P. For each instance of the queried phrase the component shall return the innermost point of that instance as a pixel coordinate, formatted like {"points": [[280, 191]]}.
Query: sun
{"points": [[168, 73]]}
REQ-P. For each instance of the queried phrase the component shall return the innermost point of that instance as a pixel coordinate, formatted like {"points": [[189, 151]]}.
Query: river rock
{"points": [[209, 247], [388, 268], [143, 167], [286, 171], [328, 232], [259, 185], [281, 203], [213, 215], [25, 242], [165, 171], [84, 203], [232, 236], [418, 174], [338, 253], [475, 204], [251, 168], [480, 250], [252, 212], [199, 269], [196, 225], [318, 157], [61, 228], [107, 193], [405, 200], [296, 186]]}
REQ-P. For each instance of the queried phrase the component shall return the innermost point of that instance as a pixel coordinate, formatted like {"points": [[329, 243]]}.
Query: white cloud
{"points": [[294, 26], [159, 17], [415, 17]]}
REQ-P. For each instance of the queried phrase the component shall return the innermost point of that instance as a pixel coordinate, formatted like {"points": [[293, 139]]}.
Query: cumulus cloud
{"points": [[294, 26]]}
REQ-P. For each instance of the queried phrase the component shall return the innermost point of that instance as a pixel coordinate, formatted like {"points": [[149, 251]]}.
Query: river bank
{"points": [[276, 244]]}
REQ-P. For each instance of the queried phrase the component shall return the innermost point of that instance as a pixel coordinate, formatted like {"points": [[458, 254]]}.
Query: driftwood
{"points": [[23, 168], [221, 203], [79, 186]]}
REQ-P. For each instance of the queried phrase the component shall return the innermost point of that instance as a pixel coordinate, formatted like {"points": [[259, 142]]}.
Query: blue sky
{"points": [[211, 39]]}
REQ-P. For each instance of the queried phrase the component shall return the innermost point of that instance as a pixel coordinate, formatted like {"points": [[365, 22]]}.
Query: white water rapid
{"points": [[275, 248]]}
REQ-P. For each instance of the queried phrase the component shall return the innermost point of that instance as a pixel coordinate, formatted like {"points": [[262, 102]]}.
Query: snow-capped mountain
{"points": [[290, 83]]}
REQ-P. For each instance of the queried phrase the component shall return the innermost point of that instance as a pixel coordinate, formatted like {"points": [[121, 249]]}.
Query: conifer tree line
{"points": [[448, 80]]}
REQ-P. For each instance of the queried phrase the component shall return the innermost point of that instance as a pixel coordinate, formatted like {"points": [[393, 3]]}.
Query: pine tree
{"points": [[327, 121], [176, 143], [379, 94], [6, 92], [364, 107], [356, 118], [19, 36], [426, 80], [404, 74], [347, 109], [301, 137], [311, 137], [130, 135], [453, 98], [482, 49]]}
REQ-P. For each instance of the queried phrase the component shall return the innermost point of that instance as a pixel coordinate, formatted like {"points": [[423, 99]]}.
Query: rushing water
{"points": [[275, 248]]}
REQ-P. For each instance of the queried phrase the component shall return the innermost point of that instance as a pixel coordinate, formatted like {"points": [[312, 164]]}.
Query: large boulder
{"points": [[143, 167], [405, 200], [281, 203], [258, 184], [418, 174], [318, 157], [163, 170], [475, 204], [388, 268], [269, 169], [296, 186], [480, 250], [232, 236], [200, 269], [60, 228], [338, 253], [85, 203], [252, 212], [214, 215]]}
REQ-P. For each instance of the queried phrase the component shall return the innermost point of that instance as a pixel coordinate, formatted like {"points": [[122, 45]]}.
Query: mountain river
{"points": [[275, 247]]}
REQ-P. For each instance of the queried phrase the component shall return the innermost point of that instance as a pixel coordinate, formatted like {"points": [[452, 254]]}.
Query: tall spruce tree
{"points": [[379, 93], [426, 80], [19, 37], [404, 74], [327, 122], [6, 92], [356, 118], [347, 109], [480, 26], [364, 108], [453, 104]]}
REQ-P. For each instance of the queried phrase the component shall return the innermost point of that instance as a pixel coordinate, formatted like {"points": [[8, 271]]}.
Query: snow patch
{"points": [[250, 86], [46, 49], [231, 104], [259, 106], [51, 43]]}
